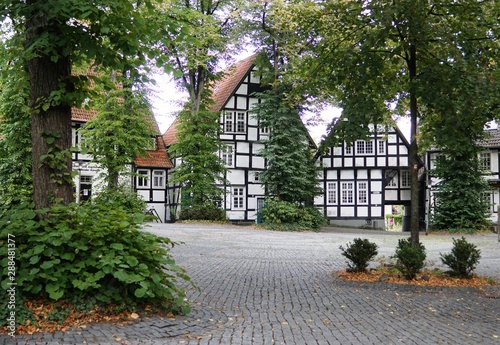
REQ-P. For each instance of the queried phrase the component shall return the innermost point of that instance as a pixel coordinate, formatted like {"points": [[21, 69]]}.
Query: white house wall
{"points": [[355, 189], [493, 175]]}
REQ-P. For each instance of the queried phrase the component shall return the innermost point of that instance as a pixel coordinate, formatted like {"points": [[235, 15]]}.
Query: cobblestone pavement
{"points": [[263, 287]]}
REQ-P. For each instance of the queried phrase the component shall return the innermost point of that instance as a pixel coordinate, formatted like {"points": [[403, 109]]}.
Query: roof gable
{"points": [[222, 91], [231, 80]]}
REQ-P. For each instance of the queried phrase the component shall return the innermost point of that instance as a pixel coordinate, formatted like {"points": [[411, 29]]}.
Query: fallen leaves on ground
{"points": [[61, 316], [425, 278]]}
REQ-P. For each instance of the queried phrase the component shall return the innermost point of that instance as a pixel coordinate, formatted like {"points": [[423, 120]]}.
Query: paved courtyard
{"points": [[263, 287]]}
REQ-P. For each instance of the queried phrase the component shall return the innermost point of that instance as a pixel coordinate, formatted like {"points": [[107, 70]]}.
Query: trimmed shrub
{"points": [[409, 259], [90, 253], [359, 253], [207, 211], [463, 259], [284, 215]]}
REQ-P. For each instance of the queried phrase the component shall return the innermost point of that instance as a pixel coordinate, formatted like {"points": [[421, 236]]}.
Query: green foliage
{"points": [[207, 211], [459, 198], [284, 215], [291, 173], [90, 252], [15, 132], [410, 259], [122, 197], [201, 168], [119, 132], [359, 253], [463, 259]]}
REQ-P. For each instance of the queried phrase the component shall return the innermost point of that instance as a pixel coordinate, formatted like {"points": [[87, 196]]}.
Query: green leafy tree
{"points": [[15, 143], [459, 198], [375, 59], [201, 169], [119, 132], [56, 35], [192, 49], [291, 172]]}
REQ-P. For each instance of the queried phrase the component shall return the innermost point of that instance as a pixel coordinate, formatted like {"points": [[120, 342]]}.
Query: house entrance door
{"points": [[85, 187]]}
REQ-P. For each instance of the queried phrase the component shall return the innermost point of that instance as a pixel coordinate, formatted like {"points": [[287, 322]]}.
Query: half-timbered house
{"points": [[490, 160], [234, 98], [151, 169], [363, 181]]}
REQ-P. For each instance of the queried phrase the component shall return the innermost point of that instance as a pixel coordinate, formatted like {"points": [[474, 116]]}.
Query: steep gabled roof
{"points": [[230, 81], [155, 158], [223, 90], [170, 136]]}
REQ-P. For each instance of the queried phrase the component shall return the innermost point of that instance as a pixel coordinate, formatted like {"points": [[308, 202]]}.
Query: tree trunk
{"points": [[414, 161], [50, 128]]}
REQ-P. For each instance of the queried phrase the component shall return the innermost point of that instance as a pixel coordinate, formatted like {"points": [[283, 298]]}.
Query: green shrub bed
{"points": [[89, 254]]}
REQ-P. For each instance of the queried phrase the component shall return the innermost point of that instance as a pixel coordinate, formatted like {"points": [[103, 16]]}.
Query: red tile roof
{"points": [[230, 81], [82, 115], [170, 136], [155, 159], [223, 90]]}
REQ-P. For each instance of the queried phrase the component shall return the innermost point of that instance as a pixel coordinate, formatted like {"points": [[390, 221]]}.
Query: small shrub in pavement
{"points": [[463, 259], [409, 259], [359, 253]]}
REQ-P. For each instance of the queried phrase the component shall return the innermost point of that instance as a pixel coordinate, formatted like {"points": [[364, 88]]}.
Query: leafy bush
{"points": [[90, 252], [122, 197], [409, 259], [284, 215], [206, 211], [359, 253], [463, 258]]}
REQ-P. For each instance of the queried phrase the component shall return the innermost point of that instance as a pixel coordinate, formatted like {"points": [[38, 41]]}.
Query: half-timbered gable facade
{"points": [[151, 169], [234, 99], [490, 161], [361, 181]]}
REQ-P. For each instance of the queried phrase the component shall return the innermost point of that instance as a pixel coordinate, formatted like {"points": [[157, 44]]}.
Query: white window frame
{"points": [[405, 178], [364, 147], [347, 149], [238, 198], [363, 192], [263, 130], [86, 179], [227, 155], [143, 180], [347, 192], [158, 179], [485, 160], [381, 147], [234, 121], [331, 193]]}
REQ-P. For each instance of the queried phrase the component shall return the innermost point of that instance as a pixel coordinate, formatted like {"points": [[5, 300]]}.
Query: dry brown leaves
{"points": [[46, 313], [426, 278]]}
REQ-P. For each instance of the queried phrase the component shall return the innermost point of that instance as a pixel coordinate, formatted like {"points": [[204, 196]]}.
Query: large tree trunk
{"points": [[50, 126], [414, 161]]}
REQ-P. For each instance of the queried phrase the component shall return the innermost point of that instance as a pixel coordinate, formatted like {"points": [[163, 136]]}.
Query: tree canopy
{"points": [[57, 35], [375, 59]]}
